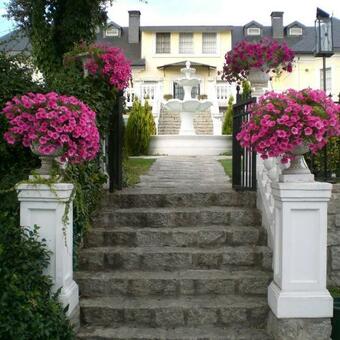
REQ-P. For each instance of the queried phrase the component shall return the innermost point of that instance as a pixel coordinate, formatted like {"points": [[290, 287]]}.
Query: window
{"points": [[112, 32], [253, 31], [162, 42], [186, 44], [328, 80], [295, 31], [209, 43], [178, 92]]}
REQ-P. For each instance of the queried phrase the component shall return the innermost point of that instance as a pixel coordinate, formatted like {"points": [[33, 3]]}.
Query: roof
{"points": [[304, 44], [131, 51], [15, 42], [253, 23], [182, 64], [164, 29]]}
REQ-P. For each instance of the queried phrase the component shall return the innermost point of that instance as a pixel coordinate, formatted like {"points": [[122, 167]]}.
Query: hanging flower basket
{"points": [[266, 56]]}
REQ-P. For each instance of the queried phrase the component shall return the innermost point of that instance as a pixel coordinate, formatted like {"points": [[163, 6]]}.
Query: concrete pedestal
{"points": [[300, 251], [41, 206]]}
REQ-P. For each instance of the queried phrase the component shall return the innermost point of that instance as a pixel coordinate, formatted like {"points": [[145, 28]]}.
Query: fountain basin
{"points": [[192, 105], [198, 145]]}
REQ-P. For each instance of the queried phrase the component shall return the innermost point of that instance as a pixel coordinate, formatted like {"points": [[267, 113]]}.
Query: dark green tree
{"points": [[54, 26], [228, 118]]}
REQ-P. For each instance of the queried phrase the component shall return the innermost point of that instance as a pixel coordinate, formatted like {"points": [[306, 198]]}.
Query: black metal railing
{"points": [[115, 145], [244, 160], [325, 165]]}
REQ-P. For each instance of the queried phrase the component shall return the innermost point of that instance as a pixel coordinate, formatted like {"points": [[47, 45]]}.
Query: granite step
{"points": [[177, 283], [162, 199], [174, 312], [177, 217], [198, 236], [173, 258], [178, 333]]}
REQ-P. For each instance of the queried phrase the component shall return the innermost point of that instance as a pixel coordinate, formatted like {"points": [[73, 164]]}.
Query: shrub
{"points": [[246, 90], [227, 128], [27, 308], [140, 127]]}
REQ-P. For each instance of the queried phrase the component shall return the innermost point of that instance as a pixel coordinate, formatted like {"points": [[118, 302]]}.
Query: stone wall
{"points": [[334, 238]]}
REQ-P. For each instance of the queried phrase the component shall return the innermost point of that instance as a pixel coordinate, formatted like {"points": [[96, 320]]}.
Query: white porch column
{"points": [[41, 206], [216, 116], [300, 250]]}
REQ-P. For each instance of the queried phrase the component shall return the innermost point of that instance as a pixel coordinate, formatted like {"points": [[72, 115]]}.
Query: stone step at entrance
{"points": [[176, 263]]}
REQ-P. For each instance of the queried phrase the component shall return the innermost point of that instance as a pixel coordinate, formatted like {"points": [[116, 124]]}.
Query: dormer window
{"points": [[295, 30], [112, 32], [253, 31]]}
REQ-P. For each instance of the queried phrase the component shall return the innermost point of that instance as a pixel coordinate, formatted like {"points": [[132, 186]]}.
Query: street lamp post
{"points": [[324, 39], [324, 49]]}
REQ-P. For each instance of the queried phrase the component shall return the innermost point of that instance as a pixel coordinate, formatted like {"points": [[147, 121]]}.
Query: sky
{"points": [[209, 12]]}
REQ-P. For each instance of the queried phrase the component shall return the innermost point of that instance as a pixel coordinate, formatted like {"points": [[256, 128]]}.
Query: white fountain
{"points": [[187, 142], [188, 106]]}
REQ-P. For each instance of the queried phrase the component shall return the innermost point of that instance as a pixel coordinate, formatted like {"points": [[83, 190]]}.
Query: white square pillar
{"points": [[45, 207], [300, 251]]}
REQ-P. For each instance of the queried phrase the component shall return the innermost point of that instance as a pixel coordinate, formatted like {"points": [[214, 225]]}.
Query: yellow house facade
{"points": [[165, 49]]}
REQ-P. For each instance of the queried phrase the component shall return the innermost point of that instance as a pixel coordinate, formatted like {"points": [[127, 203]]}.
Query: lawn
{"points": [[227, 165], [134, 168]]}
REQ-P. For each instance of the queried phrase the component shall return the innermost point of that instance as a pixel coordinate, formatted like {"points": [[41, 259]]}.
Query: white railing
{"points": [[223, 91], [143, 92], [129, 96], [268, 171]]}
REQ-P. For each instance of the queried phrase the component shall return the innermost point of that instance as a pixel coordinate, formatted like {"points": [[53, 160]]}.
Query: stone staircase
{"points": [[170, 123], [167, 265]]}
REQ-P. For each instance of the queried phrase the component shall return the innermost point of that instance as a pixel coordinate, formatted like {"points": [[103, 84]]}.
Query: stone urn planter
{"points": [[298, 165], [258, 80], [46, 160]]}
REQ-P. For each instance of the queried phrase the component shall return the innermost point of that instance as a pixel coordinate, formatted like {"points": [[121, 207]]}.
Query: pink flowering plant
{"points": [[50, 122], [266, 55], [280, 122], [109, 63]]}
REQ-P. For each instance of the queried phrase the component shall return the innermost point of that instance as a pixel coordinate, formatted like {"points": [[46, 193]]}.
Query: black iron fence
{"points": [[244, 160], [325, 165], [115, 145]]}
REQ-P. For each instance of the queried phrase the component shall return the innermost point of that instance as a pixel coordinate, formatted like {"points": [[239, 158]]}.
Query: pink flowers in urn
{"points": [[280, 122], [266, 55], [51, 122], [111, 64]]}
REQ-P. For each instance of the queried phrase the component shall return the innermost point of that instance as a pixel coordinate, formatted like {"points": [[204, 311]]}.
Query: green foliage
{"points": [[88, 180], [246, 90], [54, 26], [95, 93], [139, 129], [16, 161], [227, 127], [134, 168], [228, 166], [27, 308], [333, 159]]}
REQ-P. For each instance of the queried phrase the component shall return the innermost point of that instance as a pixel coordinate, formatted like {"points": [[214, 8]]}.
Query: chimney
{"points": [[134, 25], [277, 25]]}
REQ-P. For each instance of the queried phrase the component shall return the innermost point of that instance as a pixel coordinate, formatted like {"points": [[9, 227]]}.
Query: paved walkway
{"points": [[185, 173]]}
